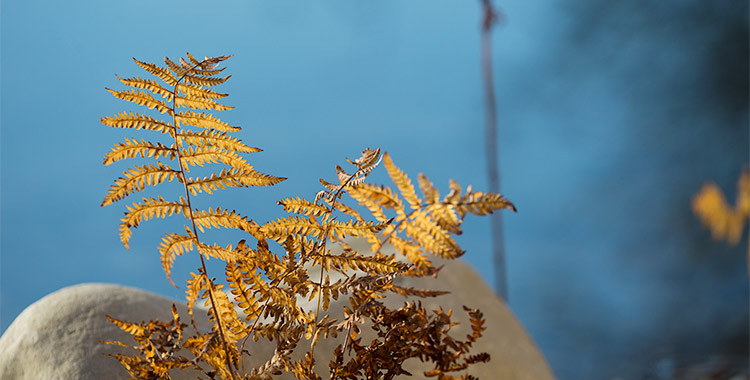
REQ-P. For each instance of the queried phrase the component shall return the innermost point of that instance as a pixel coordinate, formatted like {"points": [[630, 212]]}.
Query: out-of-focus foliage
{"points": [[724, 221]]}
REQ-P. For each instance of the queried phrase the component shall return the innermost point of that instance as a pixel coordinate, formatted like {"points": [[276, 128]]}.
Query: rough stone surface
{"points": [[58, 337]]}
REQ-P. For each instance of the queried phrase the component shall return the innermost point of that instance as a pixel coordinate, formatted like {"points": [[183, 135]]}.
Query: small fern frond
{"points": [[225, 219], [199, 155], [422, 293], [195, 285], [445, 216], [200, 103], [411, 251], [159, 72], [221, 140], [279, 229], [150, 208], [227, 316], [203, 120], [484, 203], [403, 182], [197, 92], [368, 160], [302, 207], [205, 81], [377, 264], [434, 239], [141, 98], [174, 245], [345, 209], [137, 121], [222, 253], [339, 230], [134, 148], [375, 198], [431, 194], [242, 293], [148, 84], [130, 328], [231, 178], [137, 178], [205, 67], [176, 69]]}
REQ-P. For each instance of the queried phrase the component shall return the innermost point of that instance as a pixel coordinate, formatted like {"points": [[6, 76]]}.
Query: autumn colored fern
{"points": [[280, 297]]}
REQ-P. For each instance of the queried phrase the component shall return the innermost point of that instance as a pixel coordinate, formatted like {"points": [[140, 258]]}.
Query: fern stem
{"points": [[178, 143]]}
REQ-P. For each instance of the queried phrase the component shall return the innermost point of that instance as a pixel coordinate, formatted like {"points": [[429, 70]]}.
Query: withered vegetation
{"points": [[276, 297]]}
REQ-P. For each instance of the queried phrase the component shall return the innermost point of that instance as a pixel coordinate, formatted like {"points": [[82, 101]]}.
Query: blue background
{"points": [[611, 117]]}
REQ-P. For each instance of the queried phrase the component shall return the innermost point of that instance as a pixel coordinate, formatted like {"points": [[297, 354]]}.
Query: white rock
{"points": [[59, 336]]}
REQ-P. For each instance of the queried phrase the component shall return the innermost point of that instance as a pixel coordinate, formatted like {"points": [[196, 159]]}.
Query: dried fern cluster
{"points": [[269, 289]]}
